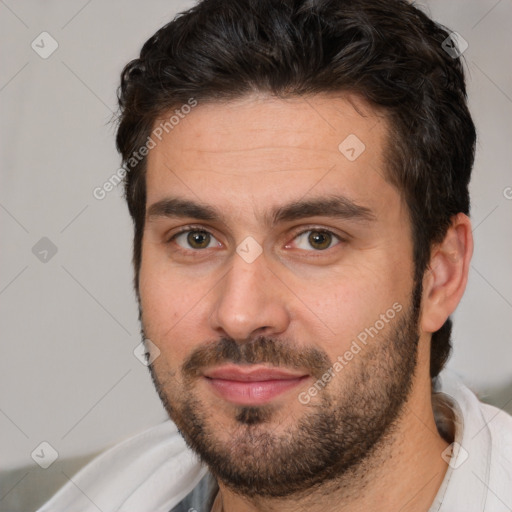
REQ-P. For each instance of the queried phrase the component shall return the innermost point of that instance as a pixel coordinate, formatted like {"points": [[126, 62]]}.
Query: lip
{"points": [[251, 384]]}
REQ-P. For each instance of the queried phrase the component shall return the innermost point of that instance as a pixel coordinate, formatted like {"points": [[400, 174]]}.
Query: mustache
{"points": [[261, 350]]}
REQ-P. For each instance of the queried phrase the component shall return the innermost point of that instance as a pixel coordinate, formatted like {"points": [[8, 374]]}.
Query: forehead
{"points": [[262, 150]]}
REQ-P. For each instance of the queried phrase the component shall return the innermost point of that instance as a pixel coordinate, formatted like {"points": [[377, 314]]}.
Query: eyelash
{"points": [[192, 228]]}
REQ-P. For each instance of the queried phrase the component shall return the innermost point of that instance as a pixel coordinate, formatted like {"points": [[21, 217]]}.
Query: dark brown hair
{"points": [[387, 51]]}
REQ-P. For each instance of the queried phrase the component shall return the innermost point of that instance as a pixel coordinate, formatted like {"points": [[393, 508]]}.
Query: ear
{"points": [[446, 277]]}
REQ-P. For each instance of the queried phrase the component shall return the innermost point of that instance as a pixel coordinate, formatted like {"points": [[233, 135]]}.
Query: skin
{"points": [[245, 158]]}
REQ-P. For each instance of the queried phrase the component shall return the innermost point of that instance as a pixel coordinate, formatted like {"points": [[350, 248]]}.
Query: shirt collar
{"points": [[465, 486]]}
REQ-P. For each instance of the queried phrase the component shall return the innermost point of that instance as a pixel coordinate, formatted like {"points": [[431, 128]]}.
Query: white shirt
{"points": [[479, 476], [154, 470]]}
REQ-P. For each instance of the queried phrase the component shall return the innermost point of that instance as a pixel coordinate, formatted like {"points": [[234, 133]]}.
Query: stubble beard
{"points": [[338, 432]]}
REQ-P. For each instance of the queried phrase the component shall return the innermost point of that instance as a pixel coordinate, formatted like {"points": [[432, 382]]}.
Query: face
{"points": [[276, 281]]}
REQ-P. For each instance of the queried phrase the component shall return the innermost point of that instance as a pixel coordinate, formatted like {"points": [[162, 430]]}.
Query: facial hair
{"points": [[337, 431]]}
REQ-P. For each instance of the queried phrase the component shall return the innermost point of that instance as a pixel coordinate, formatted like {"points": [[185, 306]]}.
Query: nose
{"points": [[251, 301]]}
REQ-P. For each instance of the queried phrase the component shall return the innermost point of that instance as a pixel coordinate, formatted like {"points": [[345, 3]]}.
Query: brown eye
{"points": [[320, 240], [316, 240], [198, 239], [195, 239]]}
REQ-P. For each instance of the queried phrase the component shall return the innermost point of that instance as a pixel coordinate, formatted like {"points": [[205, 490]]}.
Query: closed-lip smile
{"points": [[251, 384]]}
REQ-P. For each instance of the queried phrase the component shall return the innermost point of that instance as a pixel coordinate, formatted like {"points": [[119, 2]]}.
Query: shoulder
{"points": [[500, 430], [153, 470], [499, 421], [481, 473]]}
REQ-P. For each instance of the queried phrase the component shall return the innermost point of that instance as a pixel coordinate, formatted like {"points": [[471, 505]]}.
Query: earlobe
{"points": [[445, 279]]}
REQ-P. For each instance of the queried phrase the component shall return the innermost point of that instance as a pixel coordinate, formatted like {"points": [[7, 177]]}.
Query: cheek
{"points": [[164, 293], [175, 309], [353, 300], [165, 307], [345, 310]]}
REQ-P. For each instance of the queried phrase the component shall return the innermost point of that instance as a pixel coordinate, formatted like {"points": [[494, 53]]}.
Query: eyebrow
{"points": [[336, 207]]}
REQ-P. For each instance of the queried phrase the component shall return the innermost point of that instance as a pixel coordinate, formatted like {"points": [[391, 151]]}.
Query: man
{"points": [[298, 179]]}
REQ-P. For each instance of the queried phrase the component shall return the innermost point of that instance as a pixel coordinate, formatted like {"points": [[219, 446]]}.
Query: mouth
{"points": [[251, 384]]}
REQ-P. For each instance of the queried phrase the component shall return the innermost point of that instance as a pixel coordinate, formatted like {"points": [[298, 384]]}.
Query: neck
{"points": [[403, 472]]}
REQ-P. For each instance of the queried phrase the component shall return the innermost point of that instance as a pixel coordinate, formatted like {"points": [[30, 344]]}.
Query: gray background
{"points": [[68, 375]]}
